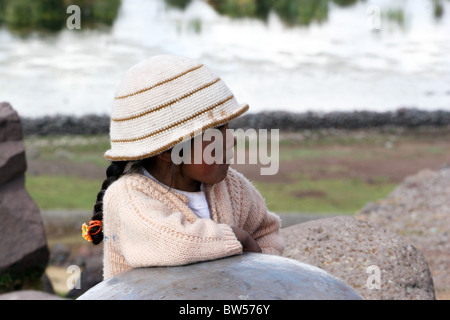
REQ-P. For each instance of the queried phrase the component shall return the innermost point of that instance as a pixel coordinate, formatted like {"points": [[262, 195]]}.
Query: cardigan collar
{"points": [[207, 188], [220, 210], [183, 206]]}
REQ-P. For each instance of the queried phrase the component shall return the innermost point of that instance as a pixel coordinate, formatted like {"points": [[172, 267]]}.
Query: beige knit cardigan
{"points": [[146, 225]]}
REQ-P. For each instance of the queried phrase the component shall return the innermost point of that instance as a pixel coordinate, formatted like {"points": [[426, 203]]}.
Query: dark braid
{"points": [[114, 171]]}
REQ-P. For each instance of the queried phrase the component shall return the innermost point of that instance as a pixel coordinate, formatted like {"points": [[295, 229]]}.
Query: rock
{"points": [[249, 276], [12, 150], [23, 246], [91, 275], [419, 210], [60, 253], [10, 126], [364, 255], [29, 295]]}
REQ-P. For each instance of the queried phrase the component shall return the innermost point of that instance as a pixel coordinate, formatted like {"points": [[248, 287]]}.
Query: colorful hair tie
{"points": [[86, 229]]}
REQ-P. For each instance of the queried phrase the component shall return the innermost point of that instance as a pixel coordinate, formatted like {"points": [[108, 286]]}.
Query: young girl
{"points": [[153, 212]]}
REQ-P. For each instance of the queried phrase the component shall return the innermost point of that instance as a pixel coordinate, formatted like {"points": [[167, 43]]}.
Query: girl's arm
{"points": [[149, 234], [267, 234], [248, 243], [262, 225]]}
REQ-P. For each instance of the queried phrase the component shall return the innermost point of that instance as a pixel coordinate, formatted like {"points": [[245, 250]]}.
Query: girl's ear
{"points": [[166, 156]]}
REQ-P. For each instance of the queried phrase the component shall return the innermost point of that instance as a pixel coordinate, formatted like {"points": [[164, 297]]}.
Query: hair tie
{"points": [[86, 229]]}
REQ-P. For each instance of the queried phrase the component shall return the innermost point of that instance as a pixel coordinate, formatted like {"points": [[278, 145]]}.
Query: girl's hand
{"points": [[248, 243]]}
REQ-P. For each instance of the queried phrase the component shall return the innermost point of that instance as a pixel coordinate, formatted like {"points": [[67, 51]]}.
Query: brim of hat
{"points": [[218, 121]]}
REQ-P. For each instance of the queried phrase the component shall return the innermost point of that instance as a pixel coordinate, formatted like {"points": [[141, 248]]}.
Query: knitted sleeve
{"points": [[263, 225], [149, 234]]}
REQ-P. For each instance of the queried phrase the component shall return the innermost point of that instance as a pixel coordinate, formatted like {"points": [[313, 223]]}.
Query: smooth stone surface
{"points": [[249, 276], [29, 295]]}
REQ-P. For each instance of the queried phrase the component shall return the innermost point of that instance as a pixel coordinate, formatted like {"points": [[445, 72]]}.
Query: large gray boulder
{"points": [[377, 263], [249, 276], [91, 275], [419, 210], [23, 246]]}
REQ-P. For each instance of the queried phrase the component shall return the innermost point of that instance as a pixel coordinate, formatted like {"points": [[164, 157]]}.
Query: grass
{"points": [[287, 154], [305, 195], [338, 191], [84, 149], [56, 191], [63, 192], [330, 196]]}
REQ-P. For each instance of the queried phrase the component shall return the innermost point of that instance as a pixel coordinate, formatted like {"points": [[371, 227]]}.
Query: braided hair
{"points": [[113, 172]]}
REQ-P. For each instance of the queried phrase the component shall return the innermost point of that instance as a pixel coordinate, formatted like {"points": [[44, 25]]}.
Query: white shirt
{"points": [[196, 200]]}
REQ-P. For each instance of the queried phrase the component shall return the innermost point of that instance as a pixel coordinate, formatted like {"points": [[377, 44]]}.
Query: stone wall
{"points": [[287, 121]]}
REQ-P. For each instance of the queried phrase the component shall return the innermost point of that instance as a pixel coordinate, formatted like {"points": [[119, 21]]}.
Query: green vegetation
{"points": [[305, 195], [76, 190], [396, 15], [301, 192], [29, 279], [25, 16], [302, 12], [63, 192], [332, 196], [292, 12], [78, 149], [318, 168]]}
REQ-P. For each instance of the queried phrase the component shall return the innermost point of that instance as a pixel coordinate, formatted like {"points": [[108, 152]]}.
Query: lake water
{"points": [[343, 63]]}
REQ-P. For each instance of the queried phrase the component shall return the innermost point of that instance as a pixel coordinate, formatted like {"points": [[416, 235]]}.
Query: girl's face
{"points": [[206, 171]]}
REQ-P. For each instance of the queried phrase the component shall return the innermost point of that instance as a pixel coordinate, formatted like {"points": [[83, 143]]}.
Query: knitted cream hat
{"points": [[161, 101]]}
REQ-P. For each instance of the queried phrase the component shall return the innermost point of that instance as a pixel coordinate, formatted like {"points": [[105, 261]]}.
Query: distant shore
{"points": [[285, 121]]}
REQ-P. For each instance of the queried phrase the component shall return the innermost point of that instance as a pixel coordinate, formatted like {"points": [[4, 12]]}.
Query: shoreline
{"points": [[407, 118]]}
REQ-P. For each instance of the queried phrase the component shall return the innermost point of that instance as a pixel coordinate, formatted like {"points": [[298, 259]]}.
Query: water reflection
{"points": [[339, 64], [180, 4], [295, 12], [25, 16], [302, 12], [292, 12]]}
